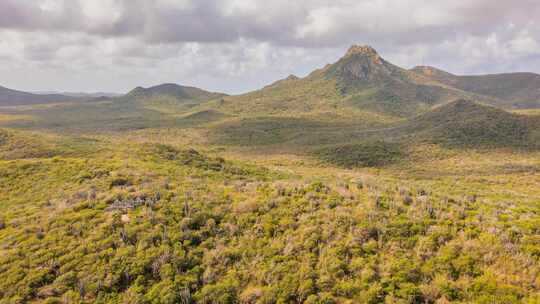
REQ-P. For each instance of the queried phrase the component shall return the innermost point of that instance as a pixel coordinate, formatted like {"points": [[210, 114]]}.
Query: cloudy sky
{"points": [[239, 45]]}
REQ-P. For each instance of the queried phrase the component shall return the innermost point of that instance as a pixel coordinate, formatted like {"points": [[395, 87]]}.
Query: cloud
{"points": [[299, 23], [254, 41]]}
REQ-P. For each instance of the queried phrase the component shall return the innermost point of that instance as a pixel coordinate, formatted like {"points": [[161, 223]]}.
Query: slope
{"points": [[171, 91], [519, 90], [464, 123], [460, 125], [9, 97]]}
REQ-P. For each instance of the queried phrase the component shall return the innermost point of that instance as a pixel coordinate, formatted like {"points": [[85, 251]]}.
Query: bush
{"points": [[223, 292], [120, 181], [371, 154]]}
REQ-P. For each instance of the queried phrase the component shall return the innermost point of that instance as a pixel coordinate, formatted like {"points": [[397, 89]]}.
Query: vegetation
{"points": [[466, 124], [513, 90], [368, 154], [160, 223]]}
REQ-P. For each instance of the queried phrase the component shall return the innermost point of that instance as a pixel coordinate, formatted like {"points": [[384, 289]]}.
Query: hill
{"points": [[171, 91], [518, 90], [82, 94], [360, 82], [9, 97], [458, 125], [466, 123], [159, 106]]}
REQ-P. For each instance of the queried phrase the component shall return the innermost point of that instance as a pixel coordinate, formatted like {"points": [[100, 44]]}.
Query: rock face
{"points": [[363, 63], [364, 50], [292, 77]]}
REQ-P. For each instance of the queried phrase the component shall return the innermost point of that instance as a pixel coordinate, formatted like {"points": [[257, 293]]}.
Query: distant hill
{"points": [[171, 91], [9, 97], [464, 123], [80, 94], [517, 90]]}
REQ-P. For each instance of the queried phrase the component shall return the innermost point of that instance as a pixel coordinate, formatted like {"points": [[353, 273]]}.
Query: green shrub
{"points": [[369, 154]]}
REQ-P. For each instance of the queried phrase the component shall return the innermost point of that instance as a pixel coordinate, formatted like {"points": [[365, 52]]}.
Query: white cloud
{"points": [[243, 44], [525, 43], [102, 12]]}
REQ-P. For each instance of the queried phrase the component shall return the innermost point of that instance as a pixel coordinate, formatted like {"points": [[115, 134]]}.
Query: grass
{"points": [[530, 112]]}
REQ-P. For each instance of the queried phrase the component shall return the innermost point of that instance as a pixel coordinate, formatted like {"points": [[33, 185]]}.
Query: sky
{"points": [[235, 46]]}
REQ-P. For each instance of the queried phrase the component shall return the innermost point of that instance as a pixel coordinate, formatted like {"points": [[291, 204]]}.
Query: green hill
{"points": [[159, 106], [516, 90], [175, 92], [459, 125], [469, 124]]}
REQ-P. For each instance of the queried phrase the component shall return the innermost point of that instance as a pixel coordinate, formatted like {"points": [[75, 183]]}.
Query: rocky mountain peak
{"points": [[363, 63], [364, 51], [292, 77]]}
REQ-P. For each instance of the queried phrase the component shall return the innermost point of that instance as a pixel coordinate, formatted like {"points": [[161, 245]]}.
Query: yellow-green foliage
{"points": [[115, 220]]}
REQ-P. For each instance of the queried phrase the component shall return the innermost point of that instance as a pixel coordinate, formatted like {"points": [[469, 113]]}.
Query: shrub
{"points": [[223, 292], [407, 199], [120, 181], [370, 154]]}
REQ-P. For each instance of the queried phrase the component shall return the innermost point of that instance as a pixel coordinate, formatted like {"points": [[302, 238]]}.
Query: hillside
{"points": [[460, 125], [518, 90], [171, 91], [9, 97], [159, 106], [82, 94], [469, 124]]}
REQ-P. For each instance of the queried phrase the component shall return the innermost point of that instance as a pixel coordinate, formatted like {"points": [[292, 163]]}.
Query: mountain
{"points": [[518, 90], [359, 83], [465, 123], [9, 97], [175, 92], [363, 65]]}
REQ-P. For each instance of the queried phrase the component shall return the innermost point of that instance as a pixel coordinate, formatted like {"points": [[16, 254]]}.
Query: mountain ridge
{"points": [[515, 90], [11, 97], [360, 82]]}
